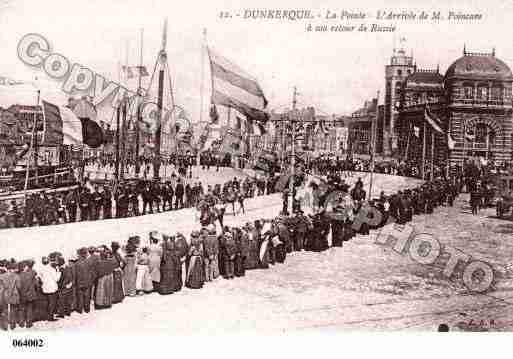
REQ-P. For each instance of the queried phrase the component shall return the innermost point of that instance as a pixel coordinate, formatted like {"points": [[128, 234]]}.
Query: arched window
{"points": [[481, 132]]}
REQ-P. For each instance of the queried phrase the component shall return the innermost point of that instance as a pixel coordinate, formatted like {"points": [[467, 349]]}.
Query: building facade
{"points": [[473, 103]]}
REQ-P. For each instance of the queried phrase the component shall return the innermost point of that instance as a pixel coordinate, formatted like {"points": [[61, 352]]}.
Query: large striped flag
{"points": [[233, 87], [62, 126], [436, 125], [432, 120]]}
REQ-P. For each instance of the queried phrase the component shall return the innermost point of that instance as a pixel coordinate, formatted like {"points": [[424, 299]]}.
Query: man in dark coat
{"points": [[179, 192], [337, 231], [66, 288], [107, 202], [71, 205], [28, 293], [96, 204], [156, 194], [85, 205], [133, 198], [166, 198], [230, 251], [84, 281], [29, 211], [147, 199]]}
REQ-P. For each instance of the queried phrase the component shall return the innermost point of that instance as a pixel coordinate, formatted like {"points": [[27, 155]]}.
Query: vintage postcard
{"points": [[258, 167]]}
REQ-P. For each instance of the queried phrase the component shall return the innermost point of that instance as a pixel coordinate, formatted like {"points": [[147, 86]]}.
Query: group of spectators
{"points": [[105, 275]]}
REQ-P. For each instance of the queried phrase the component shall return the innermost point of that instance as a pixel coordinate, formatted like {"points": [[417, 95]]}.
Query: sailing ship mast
{"points": [[162, 65]]}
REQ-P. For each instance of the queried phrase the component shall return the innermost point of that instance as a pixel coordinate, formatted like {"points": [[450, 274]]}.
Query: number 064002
{"points": [[28, 343]]}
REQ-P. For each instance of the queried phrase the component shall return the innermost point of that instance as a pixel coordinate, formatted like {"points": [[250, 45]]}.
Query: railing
{"points": [[479, 102]]}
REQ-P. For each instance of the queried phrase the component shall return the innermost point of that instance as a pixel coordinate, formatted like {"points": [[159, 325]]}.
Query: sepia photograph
{"points": [[266, 168]]}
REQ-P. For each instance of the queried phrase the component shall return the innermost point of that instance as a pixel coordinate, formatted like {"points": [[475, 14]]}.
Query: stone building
{"points": [[396, 72], [473, 103]]}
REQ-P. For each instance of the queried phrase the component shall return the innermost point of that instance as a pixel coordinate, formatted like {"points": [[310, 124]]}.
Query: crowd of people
{"points": [[141, 196], [103, 276], [131, 198]]}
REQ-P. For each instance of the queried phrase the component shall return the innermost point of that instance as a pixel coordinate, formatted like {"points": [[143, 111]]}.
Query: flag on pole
{"points": [[134, 71], [234, 88], [436, 125], [432, 120], [62, 126]]}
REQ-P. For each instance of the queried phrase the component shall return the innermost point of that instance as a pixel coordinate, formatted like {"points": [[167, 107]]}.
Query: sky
{"points": [[335, 72]]}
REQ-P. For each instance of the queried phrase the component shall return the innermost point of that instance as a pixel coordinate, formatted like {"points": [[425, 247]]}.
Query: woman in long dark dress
{"points": [[182, 249], [195, 277], [252, 259], [168, 267], [240, 253], [119, 293], [104, 290]]}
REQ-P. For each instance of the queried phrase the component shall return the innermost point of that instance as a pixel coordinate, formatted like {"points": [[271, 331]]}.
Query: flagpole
{"points": [[32, 142], [293, 150], [139, 120], [160, 99], [410, 127], [373, 139], [123, 142], [118, 114], [422, 170], [448, 149], [432, 154], [202, 87]]}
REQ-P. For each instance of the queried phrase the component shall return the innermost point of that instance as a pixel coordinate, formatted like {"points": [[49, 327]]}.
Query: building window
{"points": [[507, 92], [496, 93], [409, 72], [481, 133], [468, 92], [399, 72], [482, 93]]}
